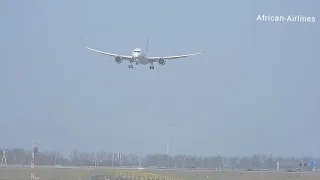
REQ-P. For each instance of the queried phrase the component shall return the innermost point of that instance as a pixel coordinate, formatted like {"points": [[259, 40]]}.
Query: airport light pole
{"points": [[169, 126], [221, 161], [168, 157], [22, 157], [139, 166], [201, 162], [112, 159]]}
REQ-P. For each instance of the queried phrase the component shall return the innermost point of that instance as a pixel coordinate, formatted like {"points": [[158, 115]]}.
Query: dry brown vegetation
{"points": [[86, 173]]}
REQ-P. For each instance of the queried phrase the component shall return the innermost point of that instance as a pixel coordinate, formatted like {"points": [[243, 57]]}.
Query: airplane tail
{"points": [[147, 46]]}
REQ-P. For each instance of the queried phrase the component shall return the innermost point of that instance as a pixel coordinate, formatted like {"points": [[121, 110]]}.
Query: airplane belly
{"points": [[143, 61]]}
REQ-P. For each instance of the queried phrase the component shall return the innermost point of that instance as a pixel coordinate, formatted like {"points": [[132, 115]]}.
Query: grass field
{"points": [[86, 173]]}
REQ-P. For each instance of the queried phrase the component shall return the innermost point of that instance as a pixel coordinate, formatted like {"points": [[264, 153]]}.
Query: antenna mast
{"points": [[4, 159]]}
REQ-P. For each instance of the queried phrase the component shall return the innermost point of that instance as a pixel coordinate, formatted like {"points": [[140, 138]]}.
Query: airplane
{"points": [[138, 56]]}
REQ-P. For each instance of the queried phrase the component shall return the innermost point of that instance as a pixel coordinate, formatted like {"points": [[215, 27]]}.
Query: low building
{"points": [[288, 165], [294, 166]]}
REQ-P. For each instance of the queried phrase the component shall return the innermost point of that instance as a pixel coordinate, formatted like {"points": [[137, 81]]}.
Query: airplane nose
{"points": [[135, 55]]}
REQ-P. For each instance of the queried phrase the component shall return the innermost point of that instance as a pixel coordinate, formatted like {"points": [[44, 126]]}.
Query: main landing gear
{"points": [[151, 66], [130, 65]]}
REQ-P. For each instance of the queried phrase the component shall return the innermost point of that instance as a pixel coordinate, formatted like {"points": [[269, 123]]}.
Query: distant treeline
{"points": [[20, 156]]}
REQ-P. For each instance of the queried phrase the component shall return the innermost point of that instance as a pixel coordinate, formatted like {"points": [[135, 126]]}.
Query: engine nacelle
{"points": [[161, 61], [118, 59]]}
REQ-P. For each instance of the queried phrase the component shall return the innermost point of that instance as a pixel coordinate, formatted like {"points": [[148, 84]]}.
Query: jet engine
{"points": [[161, 61], [118, 60]]}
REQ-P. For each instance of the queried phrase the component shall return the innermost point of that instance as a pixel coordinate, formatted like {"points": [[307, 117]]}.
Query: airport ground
{"points": [[87, 173]]}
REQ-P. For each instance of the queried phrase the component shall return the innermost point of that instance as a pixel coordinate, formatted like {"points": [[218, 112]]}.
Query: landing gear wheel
{"points": [[152, 67], [130, 66]]}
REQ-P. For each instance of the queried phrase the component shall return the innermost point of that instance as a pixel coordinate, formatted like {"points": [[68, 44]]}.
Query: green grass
{"points": [[86, 173]]}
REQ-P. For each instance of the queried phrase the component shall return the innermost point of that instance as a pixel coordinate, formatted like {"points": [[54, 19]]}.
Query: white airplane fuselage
{"points": [[139, 57]]}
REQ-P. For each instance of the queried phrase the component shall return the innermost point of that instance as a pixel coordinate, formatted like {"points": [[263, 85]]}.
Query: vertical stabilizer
{"points": [[147, 46]]}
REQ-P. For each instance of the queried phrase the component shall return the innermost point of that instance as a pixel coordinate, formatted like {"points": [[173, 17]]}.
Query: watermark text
{"points": [[289, 18]]}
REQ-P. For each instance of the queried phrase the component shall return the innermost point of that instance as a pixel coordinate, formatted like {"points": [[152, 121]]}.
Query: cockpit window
{"points": [[137, 50]]}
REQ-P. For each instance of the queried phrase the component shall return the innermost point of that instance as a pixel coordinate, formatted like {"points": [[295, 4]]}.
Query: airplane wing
{"points": [[174, 57], [111, 55]]}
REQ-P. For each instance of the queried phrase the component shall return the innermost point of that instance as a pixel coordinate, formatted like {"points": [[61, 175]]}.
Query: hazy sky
{"points": [[255, 90]]}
